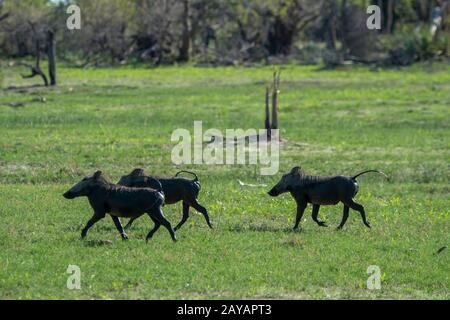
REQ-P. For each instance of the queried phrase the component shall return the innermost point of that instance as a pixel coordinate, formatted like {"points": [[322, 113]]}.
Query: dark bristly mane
{"points": [[306, 179], [104, 180], [107, 184]]}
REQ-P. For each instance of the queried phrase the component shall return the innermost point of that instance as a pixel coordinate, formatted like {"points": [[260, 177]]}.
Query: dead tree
{"points": [[50, 50], [51, 57], [267, 120], [271, 91], [275, 87], [36, 69], [275, 93]]}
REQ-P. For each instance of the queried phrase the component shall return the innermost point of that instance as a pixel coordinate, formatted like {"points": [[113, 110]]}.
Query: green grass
{"points": [[335, 122]]}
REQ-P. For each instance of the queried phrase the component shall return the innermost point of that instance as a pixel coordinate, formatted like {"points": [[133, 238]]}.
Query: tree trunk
{"points": [[267, 119], [331, 38], [389, 16], [446, 16], [344, 28], [36, 69], [186, 35], [280, 37], [51, 57], [275, 92]]}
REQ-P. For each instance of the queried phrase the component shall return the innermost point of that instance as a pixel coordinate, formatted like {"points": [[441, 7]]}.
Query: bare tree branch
{"points": [[4, 16], [35, 71]]}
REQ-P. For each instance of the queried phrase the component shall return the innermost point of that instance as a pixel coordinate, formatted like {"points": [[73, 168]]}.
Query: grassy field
{"points": [[335, 122]]}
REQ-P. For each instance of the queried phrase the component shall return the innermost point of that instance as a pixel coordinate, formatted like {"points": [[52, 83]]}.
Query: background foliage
{"points": [[229, 32]]}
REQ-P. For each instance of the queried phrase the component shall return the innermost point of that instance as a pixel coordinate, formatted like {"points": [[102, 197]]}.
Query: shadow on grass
{"points": [[259, 228], [26, 88], [97, 243]]}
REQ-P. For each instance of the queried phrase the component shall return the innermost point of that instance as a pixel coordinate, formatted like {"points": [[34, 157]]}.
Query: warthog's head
{"points": [[138, 179], [137, 175], [84, 187], [287, 181]]}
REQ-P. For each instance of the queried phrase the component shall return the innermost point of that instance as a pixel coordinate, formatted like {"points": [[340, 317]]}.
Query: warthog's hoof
{"points": [[124, 236], [322, 224]]}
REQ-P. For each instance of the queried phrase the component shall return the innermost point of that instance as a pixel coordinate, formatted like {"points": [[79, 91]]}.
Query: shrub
{"points": [[405, 47]]}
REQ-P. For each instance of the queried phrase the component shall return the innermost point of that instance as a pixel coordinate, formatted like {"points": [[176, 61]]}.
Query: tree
{"points": [[186, 33], [156, 30], [289, 18], [51, 56], [35, 69], [389, 16]]}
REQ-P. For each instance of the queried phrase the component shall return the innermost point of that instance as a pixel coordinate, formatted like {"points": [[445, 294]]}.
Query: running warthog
{"points": [[318, 191], [119, 201]]}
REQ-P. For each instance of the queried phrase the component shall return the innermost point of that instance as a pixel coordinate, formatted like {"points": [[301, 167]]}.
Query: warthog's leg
{"points": [[130, 222], [157, 213], [185, 215], [315, 213], [197, 206], [96, 217], [119, 227], [344, 217], [358, 207], [155, 228], [301, 206]]}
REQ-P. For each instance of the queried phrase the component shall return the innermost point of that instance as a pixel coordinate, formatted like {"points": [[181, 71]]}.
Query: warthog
{"points": [[318, 191], [175, 189], [119, 201]]}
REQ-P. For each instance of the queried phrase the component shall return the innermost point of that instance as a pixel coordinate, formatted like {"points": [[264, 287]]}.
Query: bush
{"points": [[405, 48]]}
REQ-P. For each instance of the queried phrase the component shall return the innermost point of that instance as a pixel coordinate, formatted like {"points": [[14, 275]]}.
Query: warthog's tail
{"points": [[190, 172], [361, 173]]}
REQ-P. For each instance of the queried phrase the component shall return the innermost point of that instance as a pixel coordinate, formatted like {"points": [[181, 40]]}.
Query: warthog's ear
{"points": [[295, 170], [97, 174], [137, 172]]}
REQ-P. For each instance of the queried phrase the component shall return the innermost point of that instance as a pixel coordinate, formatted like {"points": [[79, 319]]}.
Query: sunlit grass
{"points": [[334, 121]]}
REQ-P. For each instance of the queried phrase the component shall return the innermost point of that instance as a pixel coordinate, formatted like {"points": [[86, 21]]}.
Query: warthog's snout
{"points": [[272, 192], [68, 195]]}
